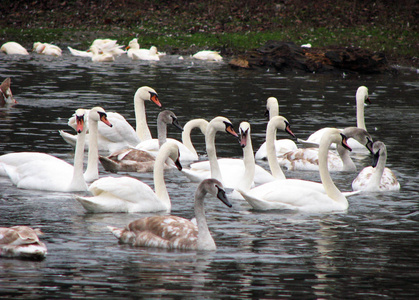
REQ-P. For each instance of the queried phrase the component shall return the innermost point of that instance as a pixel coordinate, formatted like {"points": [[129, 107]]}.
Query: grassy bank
{"points": [[229, 26]]}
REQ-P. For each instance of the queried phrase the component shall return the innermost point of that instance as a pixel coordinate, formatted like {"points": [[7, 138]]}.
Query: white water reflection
{"points": [[369, 251]]}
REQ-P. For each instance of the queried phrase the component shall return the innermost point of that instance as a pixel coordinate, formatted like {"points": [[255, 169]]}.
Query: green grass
{"points": [[392, 41]]}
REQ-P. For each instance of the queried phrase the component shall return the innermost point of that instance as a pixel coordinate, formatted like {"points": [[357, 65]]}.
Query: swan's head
{"points": [[282, 124], [146, 93], [153, 50], [271, 104], [222, 124], [362, 95], [133, 44], [80, 114], [244, 131], [173, 153], [168, 117], [378, 149], [6, 96], [361, 135], [99, 114], [214, 187]]}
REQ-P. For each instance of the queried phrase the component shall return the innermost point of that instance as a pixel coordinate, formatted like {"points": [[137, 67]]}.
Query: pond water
{"points": [[369, 251]]}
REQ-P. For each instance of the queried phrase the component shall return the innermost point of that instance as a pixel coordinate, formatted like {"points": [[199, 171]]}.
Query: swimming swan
{"points": [[172, 232], [307, 159], [377, 178], [41, 171], [127, 194], [21, 242], [361, 98], [135, 160], [282, 145], [122, 135], [211, 168], [282, 195]]}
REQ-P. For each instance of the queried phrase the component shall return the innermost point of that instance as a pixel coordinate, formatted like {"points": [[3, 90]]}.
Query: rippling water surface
{"points": [[370, 251]]}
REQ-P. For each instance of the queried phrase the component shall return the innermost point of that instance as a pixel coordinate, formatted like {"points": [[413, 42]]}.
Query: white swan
{"points": [[13, 48], [122, 135], [47, 49], [211, 168], [172, 232], [377, 178], [135, 53], [21, 242], [186, 148], [99, 56], [361, 98], [307, 159], [208, 55], [282, 195], [282, 145], [140, 160], [126, 194], [6, 95], [41, 171], [80, 53]]}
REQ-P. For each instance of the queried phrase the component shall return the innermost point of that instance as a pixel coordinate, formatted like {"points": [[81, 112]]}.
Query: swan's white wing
{"points": [[80, 53], [281, 146], [120, 131], [126, 188]]}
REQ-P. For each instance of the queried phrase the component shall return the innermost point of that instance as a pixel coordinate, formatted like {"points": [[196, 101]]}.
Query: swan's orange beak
{"points": [[230, 130], [105, 120], [155, 99], [345, 142], [79, 123], [288, 130], [127, 47]]}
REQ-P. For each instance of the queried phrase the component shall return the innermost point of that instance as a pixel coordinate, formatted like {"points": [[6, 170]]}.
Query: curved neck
{"points": [[331, 190], [273, 111], [186, 133], [360, 121], [142, 129], [212, 154], [205, 240], [92, 171], [78, 182], [158, 177], [249, 166], [271, 152], [379, 169], [348, 164], [161, 132]]}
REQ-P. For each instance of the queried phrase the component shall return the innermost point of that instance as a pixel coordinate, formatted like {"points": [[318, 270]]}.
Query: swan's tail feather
{"points": [[117, 232], [90, 205], [308, 144], [108, 164]]}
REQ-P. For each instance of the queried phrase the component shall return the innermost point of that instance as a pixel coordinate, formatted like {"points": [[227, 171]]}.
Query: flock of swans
{"points": [[104, 50], [134, 150]]}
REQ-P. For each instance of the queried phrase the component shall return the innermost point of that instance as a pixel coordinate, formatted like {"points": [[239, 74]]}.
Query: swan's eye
{"points": [[101, 114]]}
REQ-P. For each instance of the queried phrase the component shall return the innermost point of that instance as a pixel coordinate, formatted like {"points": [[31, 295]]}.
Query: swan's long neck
{"points": [[360, 119], [78, 182], [142, 129], [186, 133], [92, 171], [249, 166], [331, 190], [273, 111], [205, 240], [212, 154], [161, 132], [379, 169], [271, 152], [348, 164], [158, 177]]}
